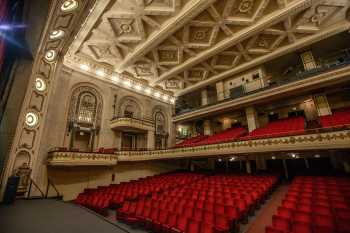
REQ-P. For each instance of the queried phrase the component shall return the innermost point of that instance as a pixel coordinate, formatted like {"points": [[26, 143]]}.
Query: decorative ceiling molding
{"points": [[286, 34], [179, 46]]}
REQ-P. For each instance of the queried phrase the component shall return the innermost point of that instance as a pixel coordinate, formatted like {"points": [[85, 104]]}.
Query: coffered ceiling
{"points": [[177, 46]]}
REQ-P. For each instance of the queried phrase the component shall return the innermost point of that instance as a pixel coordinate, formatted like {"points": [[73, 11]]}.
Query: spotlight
{"points": [[273, 157], [232, 159], [317, 156]]}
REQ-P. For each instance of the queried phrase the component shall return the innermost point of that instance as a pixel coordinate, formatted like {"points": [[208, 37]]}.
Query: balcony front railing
{"points": [[130, 122], [315, 139], [324, 64]]}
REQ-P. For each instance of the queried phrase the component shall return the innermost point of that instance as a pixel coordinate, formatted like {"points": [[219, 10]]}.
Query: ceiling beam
{"points": [[328, 32], [191, 10]]}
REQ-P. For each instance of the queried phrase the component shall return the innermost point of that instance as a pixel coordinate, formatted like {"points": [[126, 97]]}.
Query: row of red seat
{"points": [[191, 141], [101, 198], [337, 119], [211, 204], [295, 125], [314, 205], [287, 126]]}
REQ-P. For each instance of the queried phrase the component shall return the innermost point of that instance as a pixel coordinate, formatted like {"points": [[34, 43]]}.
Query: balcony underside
{"points": [[313, 141]]}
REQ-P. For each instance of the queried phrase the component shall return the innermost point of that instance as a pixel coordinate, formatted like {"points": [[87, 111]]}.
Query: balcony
{"points": [[317, 139], [128, 123], [331, 69], [71, 158]]}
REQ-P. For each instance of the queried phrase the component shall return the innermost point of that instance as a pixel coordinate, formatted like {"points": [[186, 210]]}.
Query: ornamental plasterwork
{"points": [[63, 16], [161, 41], [284, 32]]}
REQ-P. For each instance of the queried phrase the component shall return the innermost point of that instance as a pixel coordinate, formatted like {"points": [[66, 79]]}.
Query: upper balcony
{"points": [[127, 123], [330, 70]]}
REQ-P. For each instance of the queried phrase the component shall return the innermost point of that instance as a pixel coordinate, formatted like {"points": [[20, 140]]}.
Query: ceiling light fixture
{"points": [[50, 55], [69, 5], [85, 67], [101, 72], [148, 91], [56, 34], [40, 84]]}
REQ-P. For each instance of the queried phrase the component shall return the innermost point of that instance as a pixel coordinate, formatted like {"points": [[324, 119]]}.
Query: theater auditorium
{"points": [[175, 116]]}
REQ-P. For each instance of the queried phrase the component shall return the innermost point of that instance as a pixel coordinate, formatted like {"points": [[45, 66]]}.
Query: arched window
{"points": [[87, 108], [160, 123], [130, 108]]}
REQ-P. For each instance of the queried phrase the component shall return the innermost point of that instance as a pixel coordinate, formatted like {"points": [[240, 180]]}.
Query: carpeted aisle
{"points": [[51, 216], [263, 217]]}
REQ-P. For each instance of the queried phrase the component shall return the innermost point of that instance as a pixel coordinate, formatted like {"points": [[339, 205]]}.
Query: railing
{"points": [[314, 139], [329, 63], [131, 122]]}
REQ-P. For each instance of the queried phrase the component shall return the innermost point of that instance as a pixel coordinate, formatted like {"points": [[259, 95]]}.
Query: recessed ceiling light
{"points": [[100, 72], [85, 67], [127, 83], [148, 91], [115, 78], [138, 87]]}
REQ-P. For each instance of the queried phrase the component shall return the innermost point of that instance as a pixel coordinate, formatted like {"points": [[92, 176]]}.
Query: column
{"points": [[220, 91], [150, 140], [204, 97], [207, 127], [322, 105], [285, 169], [252, 118], [248, 167], [226, 123], [260, 162], [308, 60]]}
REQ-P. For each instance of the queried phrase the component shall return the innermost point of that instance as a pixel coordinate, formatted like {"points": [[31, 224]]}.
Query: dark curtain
{"points": [[12, 44]]}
